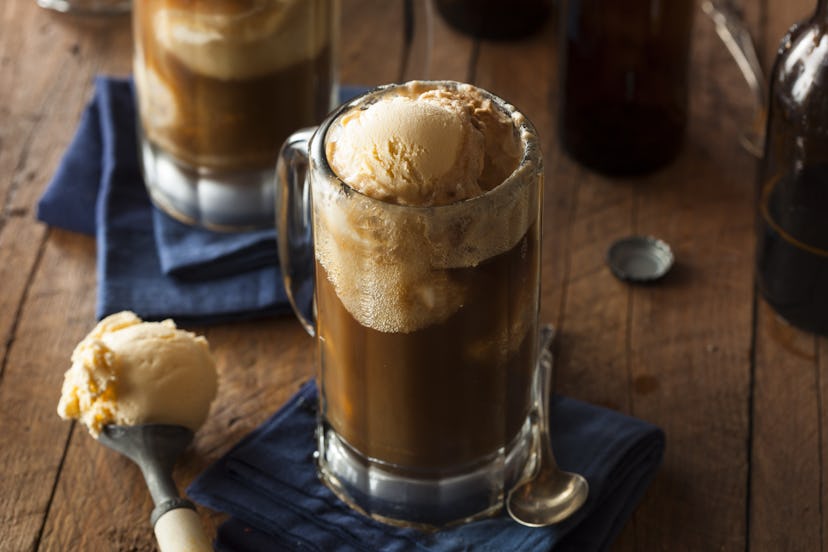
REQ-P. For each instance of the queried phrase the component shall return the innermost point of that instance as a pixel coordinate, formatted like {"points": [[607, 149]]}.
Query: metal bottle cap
{"points": [[639, 258]]}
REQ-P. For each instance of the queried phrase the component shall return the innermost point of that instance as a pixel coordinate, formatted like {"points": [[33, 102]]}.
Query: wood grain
{"points": [[58, 309], [693, 335], [786, 473], [48, 287], [383, 37], [738, 391]]}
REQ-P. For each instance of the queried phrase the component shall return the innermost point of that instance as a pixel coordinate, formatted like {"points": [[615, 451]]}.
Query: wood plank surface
{"points": [[49, 62], [737, 390], [787, 441]]}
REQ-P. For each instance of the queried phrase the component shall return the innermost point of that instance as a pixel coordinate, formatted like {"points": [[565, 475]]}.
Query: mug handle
{"points": [[294, 232]]}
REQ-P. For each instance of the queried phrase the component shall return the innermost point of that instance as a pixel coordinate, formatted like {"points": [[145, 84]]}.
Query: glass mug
{"points": [[220, 85], [424, 413]]}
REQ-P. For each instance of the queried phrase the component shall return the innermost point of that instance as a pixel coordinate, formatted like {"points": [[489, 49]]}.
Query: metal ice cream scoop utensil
{"points": [[549, 495], [155, 449]]}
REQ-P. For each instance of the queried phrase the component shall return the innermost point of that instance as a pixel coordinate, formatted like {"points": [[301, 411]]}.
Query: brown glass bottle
{"points": [[623, 102], [495, 19], [792, 221]]}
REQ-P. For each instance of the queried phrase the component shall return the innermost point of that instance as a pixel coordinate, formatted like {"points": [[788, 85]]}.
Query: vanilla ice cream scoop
{"points": [[130, 372], [242, 39], [424, 146]]}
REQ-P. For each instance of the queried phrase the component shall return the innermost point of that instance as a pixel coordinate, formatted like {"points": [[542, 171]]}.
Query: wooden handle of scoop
{"points": [[180, 530]]}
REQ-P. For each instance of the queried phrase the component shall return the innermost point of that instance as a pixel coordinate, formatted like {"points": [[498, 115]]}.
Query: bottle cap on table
{"points": [[639, 258]]}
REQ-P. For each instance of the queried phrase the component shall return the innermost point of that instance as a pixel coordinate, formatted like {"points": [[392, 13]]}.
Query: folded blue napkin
{"points": [[193, 253], [268, 484], [147, 261], [98, 189]]}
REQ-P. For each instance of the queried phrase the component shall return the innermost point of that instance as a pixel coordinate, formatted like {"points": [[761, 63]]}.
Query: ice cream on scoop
{"points": [[424, 146], [130, 372]]}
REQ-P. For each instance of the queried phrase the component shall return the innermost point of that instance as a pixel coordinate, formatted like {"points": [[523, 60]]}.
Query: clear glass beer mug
{"points": [[220, 85], [425, 318]]}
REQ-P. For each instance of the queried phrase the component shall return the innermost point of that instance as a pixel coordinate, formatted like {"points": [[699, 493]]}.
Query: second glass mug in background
{"points": [[424, 414], [220, 85]]}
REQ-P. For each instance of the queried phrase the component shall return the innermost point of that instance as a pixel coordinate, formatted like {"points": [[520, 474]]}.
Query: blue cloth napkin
{"points": [[268, 484], [196, 254], [147, 261]]}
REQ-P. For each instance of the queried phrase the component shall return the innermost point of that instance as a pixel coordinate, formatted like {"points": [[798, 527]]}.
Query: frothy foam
{"points": [[391, 265]]}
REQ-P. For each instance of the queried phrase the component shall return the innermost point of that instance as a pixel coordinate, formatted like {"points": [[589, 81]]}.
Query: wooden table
{"points": [[738, 392]]}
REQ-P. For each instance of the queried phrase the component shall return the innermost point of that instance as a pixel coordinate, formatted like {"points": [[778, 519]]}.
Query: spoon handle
{"points": [[180, 529], [544, 385]]}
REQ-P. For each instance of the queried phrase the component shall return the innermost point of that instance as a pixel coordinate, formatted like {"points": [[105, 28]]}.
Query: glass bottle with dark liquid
{"points": [[792, 234], [496, 19], [623, 103]]}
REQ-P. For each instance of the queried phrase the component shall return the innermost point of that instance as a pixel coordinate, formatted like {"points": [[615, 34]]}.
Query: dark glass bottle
{"points": [[495, 19], [624, 64], [792, 234]]}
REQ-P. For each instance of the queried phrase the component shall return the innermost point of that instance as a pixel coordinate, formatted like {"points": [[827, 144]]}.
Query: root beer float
{"points": [[426, 225], [220, 85]]}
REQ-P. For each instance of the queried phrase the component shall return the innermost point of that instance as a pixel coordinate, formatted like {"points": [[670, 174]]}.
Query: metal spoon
{"points": [[155, 449], [549, 495]]}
